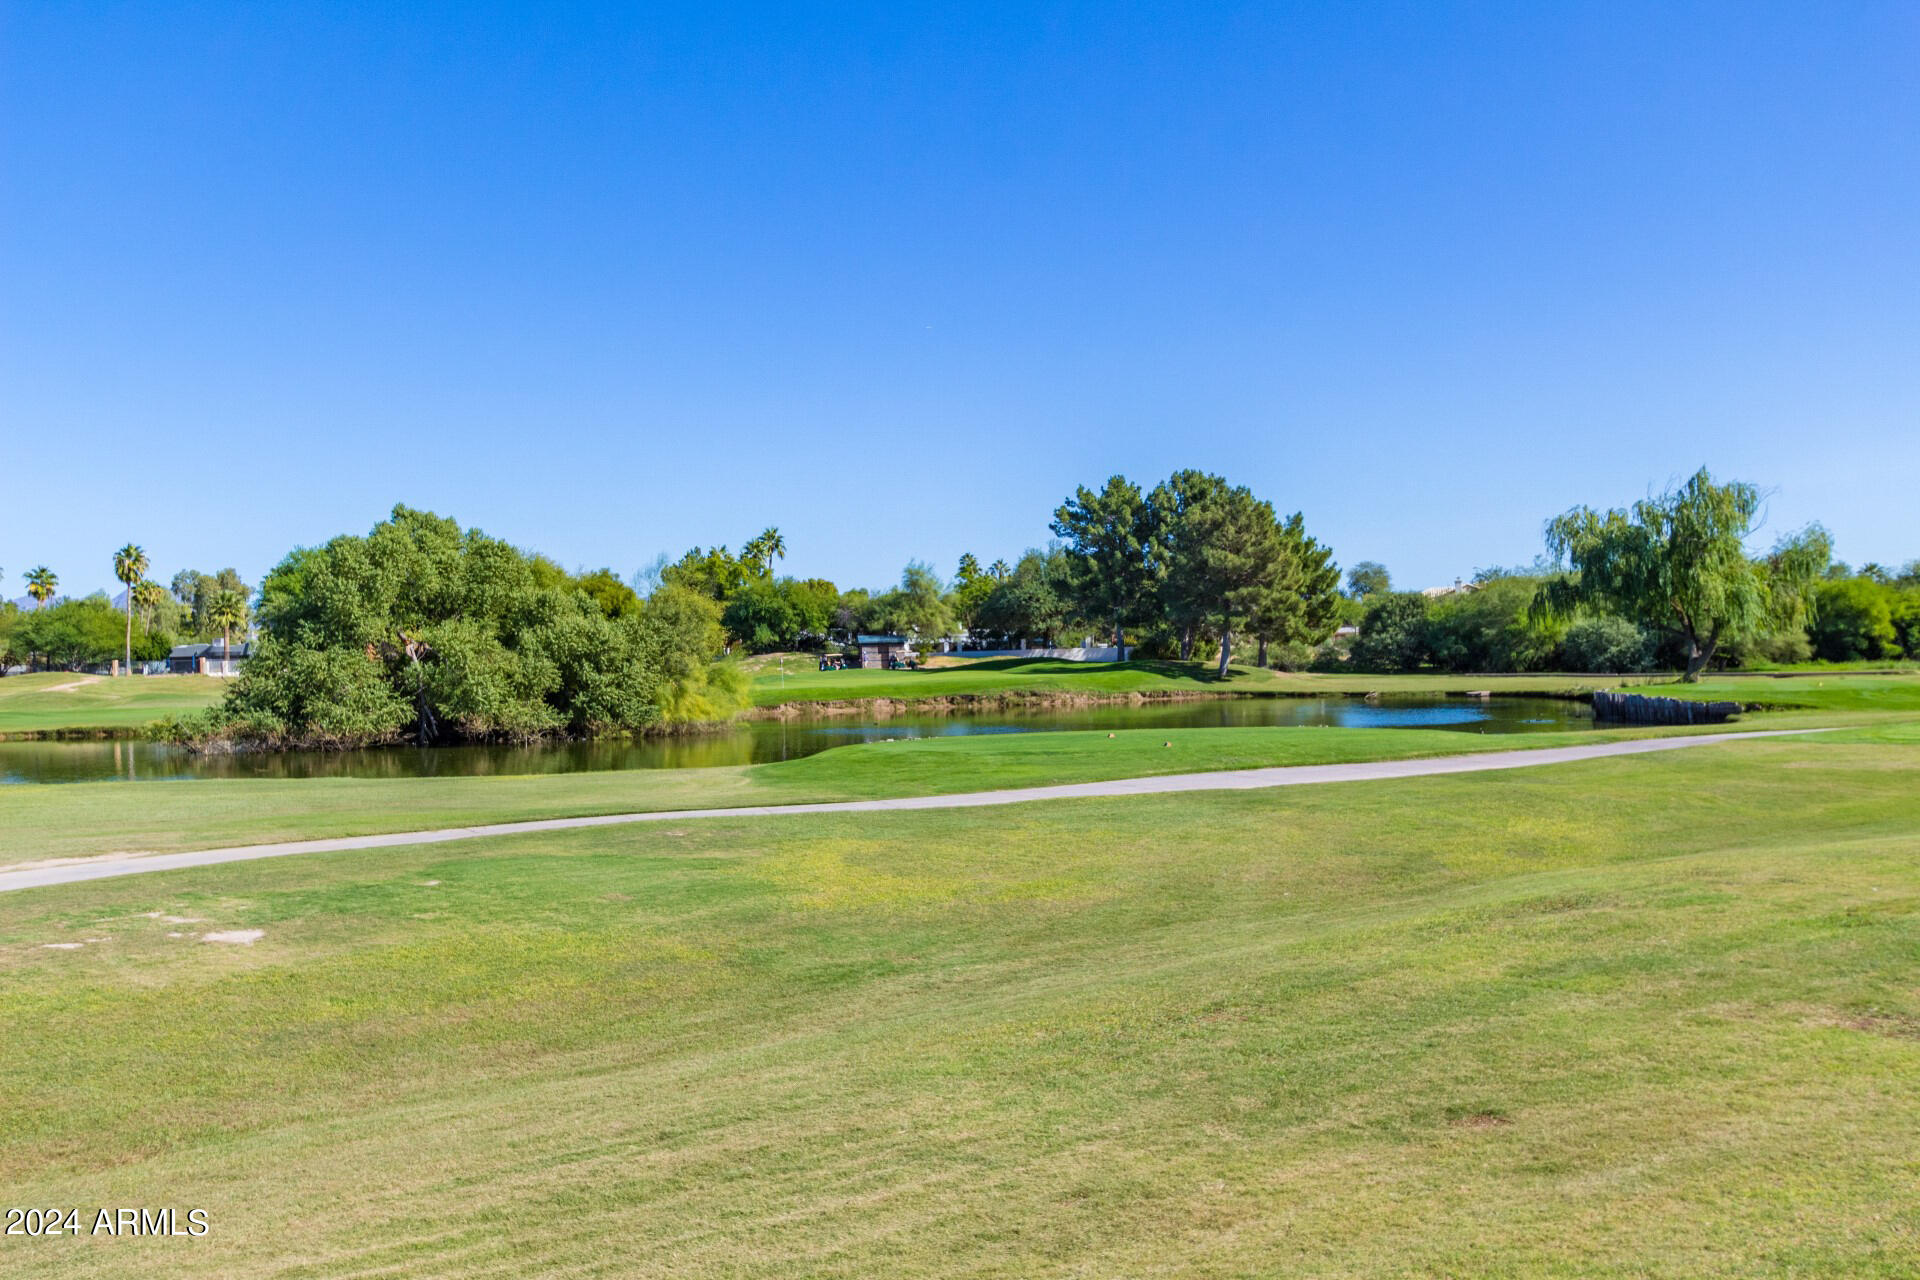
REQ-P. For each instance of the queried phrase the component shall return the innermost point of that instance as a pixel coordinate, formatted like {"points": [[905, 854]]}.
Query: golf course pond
{"points": [[763, 741]]}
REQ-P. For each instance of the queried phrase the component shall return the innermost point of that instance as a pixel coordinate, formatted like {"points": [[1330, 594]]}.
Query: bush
{"points": [[1853, 619], [1393, 633], [424, 630], [1606, 643]]}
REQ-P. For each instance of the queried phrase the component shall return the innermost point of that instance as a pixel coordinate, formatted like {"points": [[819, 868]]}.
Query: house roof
{"points": [[214, 649]]}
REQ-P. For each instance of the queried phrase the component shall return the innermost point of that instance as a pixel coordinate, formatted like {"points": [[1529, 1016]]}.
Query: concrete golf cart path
{"points": [[36, 875]]}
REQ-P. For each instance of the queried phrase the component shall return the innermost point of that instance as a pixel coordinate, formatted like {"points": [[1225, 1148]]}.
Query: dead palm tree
{"points": [[130, 566]]}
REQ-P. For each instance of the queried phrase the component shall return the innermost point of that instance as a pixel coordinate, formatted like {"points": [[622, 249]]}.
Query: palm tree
{"points": [[771, 544], [227, 610], [148, 595], [130, 566], [754, 551], [999, 570], [42, 583]]}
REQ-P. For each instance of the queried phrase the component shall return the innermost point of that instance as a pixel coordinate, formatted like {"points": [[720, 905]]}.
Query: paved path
{"points": [[1231, 780]]}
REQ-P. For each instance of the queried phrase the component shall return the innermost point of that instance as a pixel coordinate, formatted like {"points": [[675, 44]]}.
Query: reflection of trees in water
{"points": [[765, 741]]}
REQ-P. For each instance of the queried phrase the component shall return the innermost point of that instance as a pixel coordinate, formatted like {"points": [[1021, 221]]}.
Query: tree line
{"points": [[1667, 583], [70, 634], [1195, 562]]}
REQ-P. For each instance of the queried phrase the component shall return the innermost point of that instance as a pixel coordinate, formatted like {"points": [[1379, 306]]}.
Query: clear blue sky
{"points": [[609, 281]]}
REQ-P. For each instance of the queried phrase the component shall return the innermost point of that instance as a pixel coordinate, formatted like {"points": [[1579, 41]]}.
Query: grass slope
{"points": [[987, 677], [89, 818], [57, 701], [1613, 1019]]}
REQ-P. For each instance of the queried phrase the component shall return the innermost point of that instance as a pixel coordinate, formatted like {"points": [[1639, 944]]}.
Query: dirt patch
{"points": [[70, 686], [245, 937], [1480, 1120]]}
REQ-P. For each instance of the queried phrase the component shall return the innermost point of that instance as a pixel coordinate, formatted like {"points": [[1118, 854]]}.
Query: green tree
{"points": [[11, 652], [42, 583], [130, 566], [1393, 633], [1299, 601], [1235, 554], [1030, 601], [1180, 576], [918, 607], [425, 629], [1606, 642], [197, 590], [715, 573], [1493, 627], [1679, 562], [1853, 620], [1367, 578], [71, 634], [763, 550], [606, 589], [971, 587], [760, 617], [227, 610], [1109, 539], [813, 602], [148, 597]]}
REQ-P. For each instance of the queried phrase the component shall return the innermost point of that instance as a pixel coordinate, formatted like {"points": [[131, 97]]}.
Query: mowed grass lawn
{"points": [[803, 681], [51, 701], [1829, 689], [38, 822], [1652, 1016]]}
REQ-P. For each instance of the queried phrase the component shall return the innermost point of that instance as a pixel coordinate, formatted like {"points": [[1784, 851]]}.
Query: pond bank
{"points": [[1053, 699]]}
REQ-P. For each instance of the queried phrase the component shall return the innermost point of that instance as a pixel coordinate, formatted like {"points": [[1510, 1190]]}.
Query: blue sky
{"points": [[610, 281]]}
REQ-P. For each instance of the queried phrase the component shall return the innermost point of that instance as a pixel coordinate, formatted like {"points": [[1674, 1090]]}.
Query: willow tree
{"points": [[1679, 563], [130, 566]]}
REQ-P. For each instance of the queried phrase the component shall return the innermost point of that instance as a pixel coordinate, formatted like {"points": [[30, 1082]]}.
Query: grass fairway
{"points": [[1639, 1017], [91, 818], [803, 681], [1824, 689], [61, 702]]}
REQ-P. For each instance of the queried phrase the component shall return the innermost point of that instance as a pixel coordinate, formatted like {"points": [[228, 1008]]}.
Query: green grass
{"points": [[79, 820], [61, 702], [803, 681], [1822, 688], [90, 818], [1647, 1017]]}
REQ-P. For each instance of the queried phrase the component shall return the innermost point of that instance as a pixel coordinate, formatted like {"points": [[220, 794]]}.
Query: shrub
{"points": [[1606, 643]]}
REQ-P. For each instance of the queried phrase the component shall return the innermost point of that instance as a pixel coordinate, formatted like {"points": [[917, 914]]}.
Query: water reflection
{"points": [[768, 740]]}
